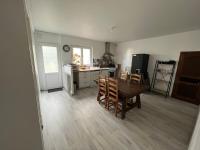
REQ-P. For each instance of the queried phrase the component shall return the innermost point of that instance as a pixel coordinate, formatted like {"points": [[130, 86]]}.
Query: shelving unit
{"points": [[162, 77]]}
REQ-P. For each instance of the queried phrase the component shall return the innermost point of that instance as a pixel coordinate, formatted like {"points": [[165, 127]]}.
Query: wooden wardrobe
{"points": [[187, 81]]}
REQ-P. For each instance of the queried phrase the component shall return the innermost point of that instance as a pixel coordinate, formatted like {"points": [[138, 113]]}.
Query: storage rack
{"points": [[163, 76]]}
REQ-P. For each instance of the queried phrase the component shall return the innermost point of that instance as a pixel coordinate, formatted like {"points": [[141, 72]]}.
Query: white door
{"points": [[52, 66]]}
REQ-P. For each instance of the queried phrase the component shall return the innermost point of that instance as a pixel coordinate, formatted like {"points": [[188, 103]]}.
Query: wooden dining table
{"points": [[127, 90]]}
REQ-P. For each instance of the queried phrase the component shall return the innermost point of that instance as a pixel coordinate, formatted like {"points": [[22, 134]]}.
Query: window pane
{"points": [[86, 56], [77, 56], [50, 58]]}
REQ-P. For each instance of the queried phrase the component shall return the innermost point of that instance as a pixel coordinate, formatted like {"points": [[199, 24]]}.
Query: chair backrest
{"points": [[124, 75], [102, 85], [113, 89], [136, 78]]}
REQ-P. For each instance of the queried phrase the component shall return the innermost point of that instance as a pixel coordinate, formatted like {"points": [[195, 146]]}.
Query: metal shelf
{"points": [[164, 73]]}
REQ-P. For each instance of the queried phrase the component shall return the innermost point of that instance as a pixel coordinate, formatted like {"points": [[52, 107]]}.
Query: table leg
{"points": [[123, 113], [138, 101]]}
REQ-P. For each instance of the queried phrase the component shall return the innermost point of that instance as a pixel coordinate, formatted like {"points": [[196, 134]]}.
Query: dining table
{"points": [[128, 90]]}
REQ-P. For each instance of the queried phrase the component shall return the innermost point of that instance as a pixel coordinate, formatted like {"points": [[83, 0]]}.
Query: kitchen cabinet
{"points": [[104, 72], [94, 75], [86, 78]]}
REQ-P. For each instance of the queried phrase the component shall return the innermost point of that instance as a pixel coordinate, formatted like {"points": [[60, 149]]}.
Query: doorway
{"points": [[50, 74]]}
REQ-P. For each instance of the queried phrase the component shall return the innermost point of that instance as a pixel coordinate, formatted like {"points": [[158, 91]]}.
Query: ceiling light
{"points": [[113, 28]]}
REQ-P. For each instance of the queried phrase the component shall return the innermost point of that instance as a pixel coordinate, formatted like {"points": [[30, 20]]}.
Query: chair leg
{"points": [[138, 101], [106, 103], [131, 100], [116, 109], [98, 98]]}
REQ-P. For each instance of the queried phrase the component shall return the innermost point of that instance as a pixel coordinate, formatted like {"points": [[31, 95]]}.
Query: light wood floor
{"points": [[80, 123]]}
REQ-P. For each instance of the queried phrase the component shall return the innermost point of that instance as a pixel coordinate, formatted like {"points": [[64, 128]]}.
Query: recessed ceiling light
{"points": [[113, 28]]}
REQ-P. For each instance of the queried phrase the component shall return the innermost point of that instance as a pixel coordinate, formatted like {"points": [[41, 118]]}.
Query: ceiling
{"points": [[115, 20]]}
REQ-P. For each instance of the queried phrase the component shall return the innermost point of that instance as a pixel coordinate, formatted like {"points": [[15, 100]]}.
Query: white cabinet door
{"points": [[84, 76], [104, 72], [84, 79], [94, 76], [84, 84]]}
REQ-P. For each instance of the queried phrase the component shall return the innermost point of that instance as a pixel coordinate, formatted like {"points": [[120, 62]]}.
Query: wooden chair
{"points": [[124, 75], [118, 71], [136, 78], [102, 93], [113, 97]]}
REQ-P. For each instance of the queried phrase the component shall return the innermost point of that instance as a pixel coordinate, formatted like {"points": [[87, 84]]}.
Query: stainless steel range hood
{"points": [[107, 49]]}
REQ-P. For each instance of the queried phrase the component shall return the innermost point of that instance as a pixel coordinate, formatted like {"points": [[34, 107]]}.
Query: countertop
{"points": [[92, 69]]}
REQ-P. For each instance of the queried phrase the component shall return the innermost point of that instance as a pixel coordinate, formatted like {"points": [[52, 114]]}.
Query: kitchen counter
{"points": [[92, 69], [75, 79], [89, 75]]}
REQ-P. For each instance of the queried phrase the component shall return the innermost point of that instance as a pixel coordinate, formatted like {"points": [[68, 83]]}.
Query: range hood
{"points": [[107, 58], [107, 49]]}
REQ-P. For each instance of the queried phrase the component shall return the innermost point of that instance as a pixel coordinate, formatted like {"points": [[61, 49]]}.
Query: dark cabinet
{"points": [[187, 81], [140, 64]]}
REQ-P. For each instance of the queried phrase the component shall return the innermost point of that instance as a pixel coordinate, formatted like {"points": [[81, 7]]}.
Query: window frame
{"points": [[83, 47]]}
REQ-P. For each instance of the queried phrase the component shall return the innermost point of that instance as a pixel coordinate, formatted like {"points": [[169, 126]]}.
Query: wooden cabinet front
{"points": [[187, 81]]}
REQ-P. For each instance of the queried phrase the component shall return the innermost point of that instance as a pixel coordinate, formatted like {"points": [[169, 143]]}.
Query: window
{"points": [[81, 56], [77, 56], [50, 58], [86, 56]]}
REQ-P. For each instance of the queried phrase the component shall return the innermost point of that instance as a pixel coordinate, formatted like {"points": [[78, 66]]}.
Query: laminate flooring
{"points": [[80, 123]]}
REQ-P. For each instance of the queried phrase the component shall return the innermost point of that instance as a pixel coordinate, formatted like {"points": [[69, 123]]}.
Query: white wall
{"points": [[163, 48], [194, 143], [98, 48], [19, 126]]}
